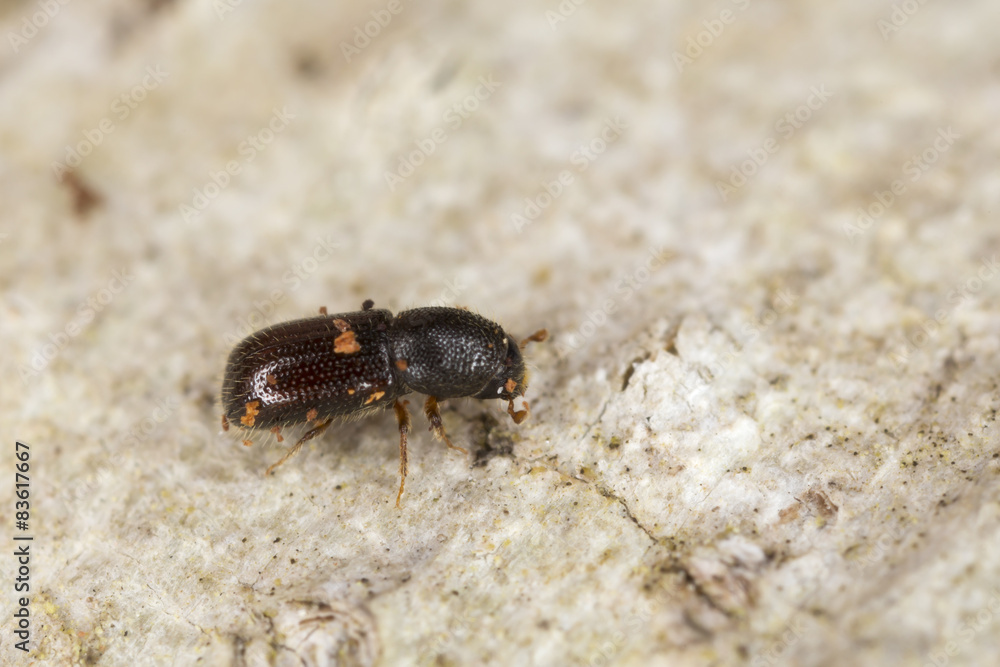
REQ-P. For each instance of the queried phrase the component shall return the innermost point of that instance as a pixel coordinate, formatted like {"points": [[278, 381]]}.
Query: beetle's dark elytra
{"points": [[327, 366], [319, 368]]}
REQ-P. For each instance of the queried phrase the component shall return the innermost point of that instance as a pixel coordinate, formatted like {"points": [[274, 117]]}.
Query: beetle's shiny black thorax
{"points": [[447, 352]]}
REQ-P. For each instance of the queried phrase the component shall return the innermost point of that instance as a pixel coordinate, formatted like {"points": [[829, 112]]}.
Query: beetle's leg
{"points": [[518, 416], [310, 434], [403, 419], [536, 337], [433, 414]]}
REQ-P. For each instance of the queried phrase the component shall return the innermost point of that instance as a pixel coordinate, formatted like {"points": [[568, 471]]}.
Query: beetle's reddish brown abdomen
{"points": [[314, 368]]}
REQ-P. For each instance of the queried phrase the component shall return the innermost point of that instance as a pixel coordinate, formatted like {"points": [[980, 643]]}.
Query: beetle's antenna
{"points": [[536, 337], [519, 415]]}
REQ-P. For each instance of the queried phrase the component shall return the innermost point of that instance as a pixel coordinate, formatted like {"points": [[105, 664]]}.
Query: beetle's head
{"points": [[511, 381], [508, 383]]}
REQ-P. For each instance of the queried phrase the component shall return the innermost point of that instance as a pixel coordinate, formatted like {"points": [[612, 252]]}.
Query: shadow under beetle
{"points": [[316, 369]]}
